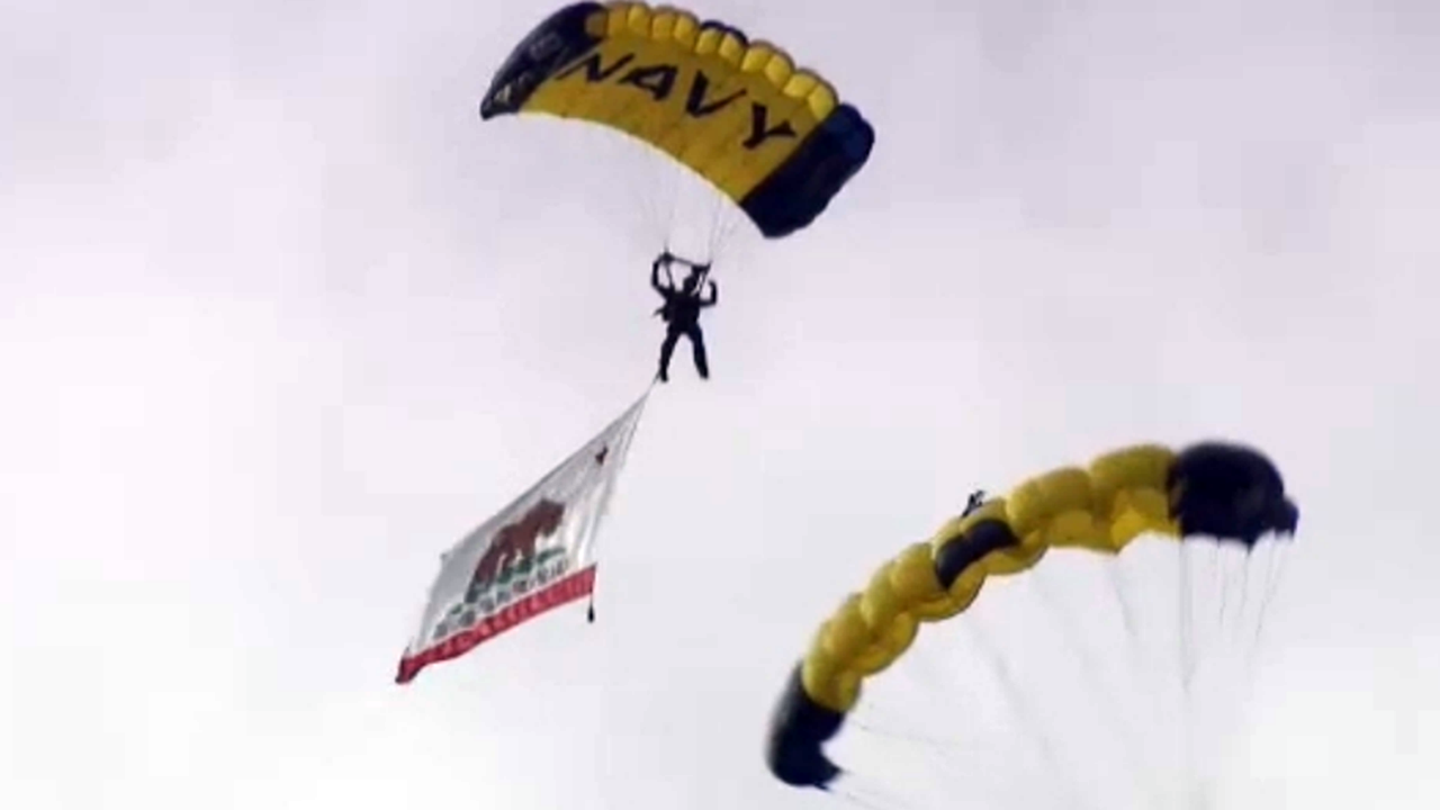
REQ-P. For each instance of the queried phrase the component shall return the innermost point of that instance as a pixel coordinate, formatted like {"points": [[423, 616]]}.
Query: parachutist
{"points": [[681, 311]]}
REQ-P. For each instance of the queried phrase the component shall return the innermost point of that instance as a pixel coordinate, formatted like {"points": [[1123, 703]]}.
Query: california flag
{"points": [[536, 554]]}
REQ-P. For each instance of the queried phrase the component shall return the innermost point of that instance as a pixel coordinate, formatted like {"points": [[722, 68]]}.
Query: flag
{"points": [[535, 555]]}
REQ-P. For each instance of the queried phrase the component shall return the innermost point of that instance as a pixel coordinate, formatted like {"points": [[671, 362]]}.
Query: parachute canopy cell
{"points": [[772, 137], [1221, 491]]}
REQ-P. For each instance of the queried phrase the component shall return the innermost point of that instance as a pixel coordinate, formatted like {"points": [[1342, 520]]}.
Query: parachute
{"points": [[1229, 493], [772, 138]]}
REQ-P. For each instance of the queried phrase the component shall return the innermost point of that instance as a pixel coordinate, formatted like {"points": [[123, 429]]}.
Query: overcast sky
{"points": [[281, 319]]}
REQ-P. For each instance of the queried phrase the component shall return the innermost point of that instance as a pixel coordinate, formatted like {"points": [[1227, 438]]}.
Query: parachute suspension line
{"points": [[876, 795], [920, 660], [856, 796], [1136, 651], [670, 202], [1222, 593], [659, 194], [1186, 613], [1274, 565], [1202, 786], [1242, 645], [1129, 736], [1186, 620], [1222, 587], [1196, 642], [649, 192], [1070, 794], [717, 222], [1151, 688], [657, 189], [913, 739], [940, 751], [1266, 582], [725, 219], [1230, 638], [1152, 691], [640, 203], [1273, 575], [931, 676], [1127, 612], [675, 179], [669, 182], [850, 798], [1244, 596]]}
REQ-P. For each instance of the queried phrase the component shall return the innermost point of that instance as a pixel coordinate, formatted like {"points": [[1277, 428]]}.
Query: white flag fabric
{"points": [[537, 554]]}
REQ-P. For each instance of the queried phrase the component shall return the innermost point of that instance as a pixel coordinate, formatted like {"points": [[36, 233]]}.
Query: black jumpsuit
{"points": [[681, 312]]}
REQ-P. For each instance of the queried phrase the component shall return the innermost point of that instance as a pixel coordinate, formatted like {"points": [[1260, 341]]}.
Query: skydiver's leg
{"points": [[697, 343], [667, 348]]}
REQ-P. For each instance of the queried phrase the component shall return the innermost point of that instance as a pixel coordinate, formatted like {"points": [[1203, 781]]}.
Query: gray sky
{"points": [[280, 319]]}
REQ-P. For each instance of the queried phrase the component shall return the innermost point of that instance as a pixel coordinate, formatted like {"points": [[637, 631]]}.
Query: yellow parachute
{"points": [[1212, 490], [773, 138]]}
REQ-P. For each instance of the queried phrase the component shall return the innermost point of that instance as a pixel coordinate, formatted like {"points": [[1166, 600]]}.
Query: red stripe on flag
{"points": [[576, 586]]}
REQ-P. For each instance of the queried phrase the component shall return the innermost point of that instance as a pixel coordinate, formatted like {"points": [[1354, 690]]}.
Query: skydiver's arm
{"points": [[714, 296], [655, 276]]}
